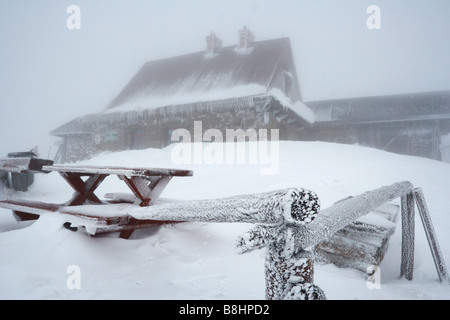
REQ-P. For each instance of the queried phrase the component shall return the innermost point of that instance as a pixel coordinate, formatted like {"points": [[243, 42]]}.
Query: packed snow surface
{"points": [[199, 260]]}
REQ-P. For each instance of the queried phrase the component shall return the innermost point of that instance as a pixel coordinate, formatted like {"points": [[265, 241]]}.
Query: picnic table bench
{"points": [[146, 185]]}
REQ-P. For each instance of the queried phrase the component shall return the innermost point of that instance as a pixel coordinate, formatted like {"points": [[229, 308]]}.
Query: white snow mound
{"points": [[199, 260]]}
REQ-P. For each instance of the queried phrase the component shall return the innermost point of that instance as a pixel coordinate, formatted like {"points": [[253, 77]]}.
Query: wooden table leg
{"points": [[25, 216], [84, 190], [157, 185], [147, 190], [126, 234]]}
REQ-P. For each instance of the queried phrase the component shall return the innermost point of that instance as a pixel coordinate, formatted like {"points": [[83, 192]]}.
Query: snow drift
{"points": [[198, 260]]}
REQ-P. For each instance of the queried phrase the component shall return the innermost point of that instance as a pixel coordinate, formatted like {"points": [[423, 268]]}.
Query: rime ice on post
{"points": [[289, 269], [407, 260], [290, 273], [431, 236]]}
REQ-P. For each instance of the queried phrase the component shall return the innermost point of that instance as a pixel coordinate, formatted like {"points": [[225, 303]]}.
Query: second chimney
{"points": [[212, 43], [246, 38]]}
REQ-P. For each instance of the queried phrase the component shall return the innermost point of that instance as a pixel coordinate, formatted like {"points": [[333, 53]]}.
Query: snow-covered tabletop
{"points": [[146, 184]]}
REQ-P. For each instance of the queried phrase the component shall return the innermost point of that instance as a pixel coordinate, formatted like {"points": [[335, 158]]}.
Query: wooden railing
{"points": [[291, 224]]}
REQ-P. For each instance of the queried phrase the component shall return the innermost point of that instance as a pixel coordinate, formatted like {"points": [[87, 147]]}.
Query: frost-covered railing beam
{"points": [[290, 205], [332, 219], [289, 271]]}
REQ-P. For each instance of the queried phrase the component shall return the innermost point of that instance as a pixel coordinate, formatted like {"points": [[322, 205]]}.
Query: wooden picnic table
{"points": [[146, 185]]}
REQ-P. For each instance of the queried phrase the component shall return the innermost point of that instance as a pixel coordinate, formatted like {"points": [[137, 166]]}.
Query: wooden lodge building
{"points": [[415, 124], [251, 85]]}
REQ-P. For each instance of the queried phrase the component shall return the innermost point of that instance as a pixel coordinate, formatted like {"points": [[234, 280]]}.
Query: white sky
{"points": [[50, 75]]}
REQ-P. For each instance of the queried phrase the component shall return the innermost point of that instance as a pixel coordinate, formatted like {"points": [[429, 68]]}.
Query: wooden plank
{"points": [[123, 197], [33, 207], [120, 197], [342, 261], [23, 165], [354, 250], [362, 243], [124, 171], [18, 165], [109, 219], [97, 219]]}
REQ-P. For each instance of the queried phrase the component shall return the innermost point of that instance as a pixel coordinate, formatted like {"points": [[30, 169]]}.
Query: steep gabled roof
{"points": [[202, 73], [264, 68]]}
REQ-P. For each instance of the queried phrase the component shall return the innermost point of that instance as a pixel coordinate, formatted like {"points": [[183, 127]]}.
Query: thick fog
{"points": [[50, 73]]}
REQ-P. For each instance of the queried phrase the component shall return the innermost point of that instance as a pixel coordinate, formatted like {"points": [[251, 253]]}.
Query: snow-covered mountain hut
{"points": [[248, 85], [252, 85]]}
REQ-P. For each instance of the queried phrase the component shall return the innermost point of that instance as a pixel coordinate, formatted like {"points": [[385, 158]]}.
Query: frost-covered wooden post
{"points": [[407, 259], [290, 273], [289, 269], [408, 212], [431, 236]]}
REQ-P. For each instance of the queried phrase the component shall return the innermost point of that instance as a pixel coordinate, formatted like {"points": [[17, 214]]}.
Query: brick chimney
{"points": [[246, 38], [212, 43]]}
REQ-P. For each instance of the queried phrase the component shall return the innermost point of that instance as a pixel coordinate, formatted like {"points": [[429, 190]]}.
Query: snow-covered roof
{"points": [[298, 107], [266, 68], [146, 102], [199, 76], [192, 99]]}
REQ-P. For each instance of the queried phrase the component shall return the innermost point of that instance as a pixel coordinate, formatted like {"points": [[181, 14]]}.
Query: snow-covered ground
{"points": [[198, 260]]}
